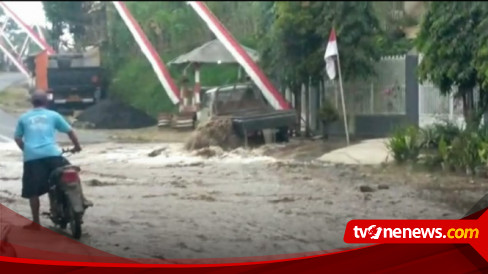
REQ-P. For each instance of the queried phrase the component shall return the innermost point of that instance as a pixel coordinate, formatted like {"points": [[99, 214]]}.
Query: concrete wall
{"points": [[376, 125]]}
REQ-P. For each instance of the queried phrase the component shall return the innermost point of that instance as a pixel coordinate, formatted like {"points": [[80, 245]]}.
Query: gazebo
{"points": [[212, 52]]}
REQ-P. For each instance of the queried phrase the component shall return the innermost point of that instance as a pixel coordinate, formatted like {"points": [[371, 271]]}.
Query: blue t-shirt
{"points": [[38, 128]]}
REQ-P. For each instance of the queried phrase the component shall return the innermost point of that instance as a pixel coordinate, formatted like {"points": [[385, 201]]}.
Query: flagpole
{"points": [[346, 128]]}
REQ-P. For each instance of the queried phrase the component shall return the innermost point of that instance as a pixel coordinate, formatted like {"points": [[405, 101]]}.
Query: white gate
{"points": [[437, 108]]}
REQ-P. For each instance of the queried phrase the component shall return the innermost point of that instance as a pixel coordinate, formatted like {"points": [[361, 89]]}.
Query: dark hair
{"points": [[39, 99], [38, 103]]}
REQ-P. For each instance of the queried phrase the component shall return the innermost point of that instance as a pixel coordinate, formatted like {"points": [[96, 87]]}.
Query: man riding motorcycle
{"points": [[35, 135]]}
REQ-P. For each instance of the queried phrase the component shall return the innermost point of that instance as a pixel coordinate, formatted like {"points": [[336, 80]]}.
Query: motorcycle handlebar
{"points": [[68, 150]]}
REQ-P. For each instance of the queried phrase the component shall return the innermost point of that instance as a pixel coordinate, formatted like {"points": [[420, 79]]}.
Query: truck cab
{"points": [[72, 81]]}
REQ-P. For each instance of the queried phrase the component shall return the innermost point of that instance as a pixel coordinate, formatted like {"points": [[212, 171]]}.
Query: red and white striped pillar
{"points": [[148, 50], [241, 56], [30, 32], [197, 87], [14, 60], [184, 94]]}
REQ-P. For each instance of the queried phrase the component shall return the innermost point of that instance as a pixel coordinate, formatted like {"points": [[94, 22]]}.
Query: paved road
{"points": [[8, 121]]}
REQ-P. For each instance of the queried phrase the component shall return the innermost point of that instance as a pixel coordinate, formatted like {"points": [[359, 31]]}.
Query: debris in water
{"points": [[156, 152], [95, 182], [202, 197], [366, 189], [6, 200], [383, 187], [178, 184], [216, 132], [195, 164], [283, 200], [209, 152]]}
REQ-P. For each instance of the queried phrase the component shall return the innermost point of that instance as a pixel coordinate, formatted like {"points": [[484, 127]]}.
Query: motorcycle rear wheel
{"points": [[75, 223], [63, 225]]}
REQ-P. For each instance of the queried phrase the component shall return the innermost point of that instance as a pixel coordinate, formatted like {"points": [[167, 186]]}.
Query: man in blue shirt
{"points": [[36, 137]]}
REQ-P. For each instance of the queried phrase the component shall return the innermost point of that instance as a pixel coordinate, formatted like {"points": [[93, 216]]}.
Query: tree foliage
{"points": [[450, 42], [66, 15], [298, 36], [173, 28], [393, 22]]}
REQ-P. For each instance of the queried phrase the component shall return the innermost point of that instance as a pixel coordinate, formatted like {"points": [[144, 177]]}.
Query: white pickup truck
{"points": [[248, 109]]}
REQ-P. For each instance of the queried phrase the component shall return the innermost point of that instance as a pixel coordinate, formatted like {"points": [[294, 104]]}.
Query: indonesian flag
{"points": [[330, 52]]}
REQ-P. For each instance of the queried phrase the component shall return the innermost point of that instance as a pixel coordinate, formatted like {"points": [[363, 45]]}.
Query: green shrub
{"points": [[444, 145], [328, 112], [444, 155], [136, 84], [405, 144], [467, 152], [432, 135]]}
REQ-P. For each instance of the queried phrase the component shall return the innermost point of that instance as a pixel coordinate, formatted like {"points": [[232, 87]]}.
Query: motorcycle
{"points": [[68, 204]]}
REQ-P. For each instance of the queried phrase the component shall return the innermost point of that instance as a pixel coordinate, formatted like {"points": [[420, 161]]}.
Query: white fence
{"points": [[385, 94], [371, 98], [435, 107]]}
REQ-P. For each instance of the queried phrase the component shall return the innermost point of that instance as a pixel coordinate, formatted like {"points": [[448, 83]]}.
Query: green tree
{"points": [[66, 15], [450, 42], [296, 41], [293, 45], [173, 28], [393, 23]]}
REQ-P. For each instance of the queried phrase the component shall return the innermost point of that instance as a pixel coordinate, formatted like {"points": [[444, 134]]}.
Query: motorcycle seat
{"points": [[77, 168], [57, 172]]}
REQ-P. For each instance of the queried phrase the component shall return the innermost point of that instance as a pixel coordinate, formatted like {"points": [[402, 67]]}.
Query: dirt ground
{"points": [[15, 100], [271, 200]]}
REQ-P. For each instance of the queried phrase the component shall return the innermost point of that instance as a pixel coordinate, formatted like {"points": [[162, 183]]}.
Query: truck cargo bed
{"points": [[264, 119]]}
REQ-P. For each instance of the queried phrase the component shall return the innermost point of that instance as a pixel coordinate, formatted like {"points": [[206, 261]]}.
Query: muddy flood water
{"points": [[159, 201]]}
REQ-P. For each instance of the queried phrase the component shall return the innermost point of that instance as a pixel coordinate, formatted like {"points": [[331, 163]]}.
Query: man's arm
{"points": [[74, 139], [63, 126], [19, 133], [19, 142]]}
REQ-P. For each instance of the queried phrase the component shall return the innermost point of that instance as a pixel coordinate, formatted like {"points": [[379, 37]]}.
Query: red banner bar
{"points": [[151, 54]]}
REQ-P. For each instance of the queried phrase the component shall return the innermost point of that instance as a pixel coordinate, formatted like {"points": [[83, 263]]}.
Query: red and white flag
{"points": [[330, 53]]}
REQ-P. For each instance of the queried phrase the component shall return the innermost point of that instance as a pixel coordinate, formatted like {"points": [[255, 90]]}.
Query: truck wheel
{"points": [[282, 135], [195, 122]]}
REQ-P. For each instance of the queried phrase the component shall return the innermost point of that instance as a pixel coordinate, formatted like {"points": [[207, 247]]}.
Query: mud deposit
{"points": [[109, 114], [216, 132], [178, 204]]}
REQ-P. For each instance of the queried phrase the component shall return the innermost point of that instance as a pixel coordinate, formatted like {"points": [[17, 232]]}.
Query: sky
{"points": [[31, 12]]}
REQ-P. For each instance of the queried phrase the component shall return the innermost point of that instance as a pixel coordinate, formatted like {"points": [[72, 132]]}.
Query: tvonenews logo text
{"points": [[466, 231], [375, 232]]}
